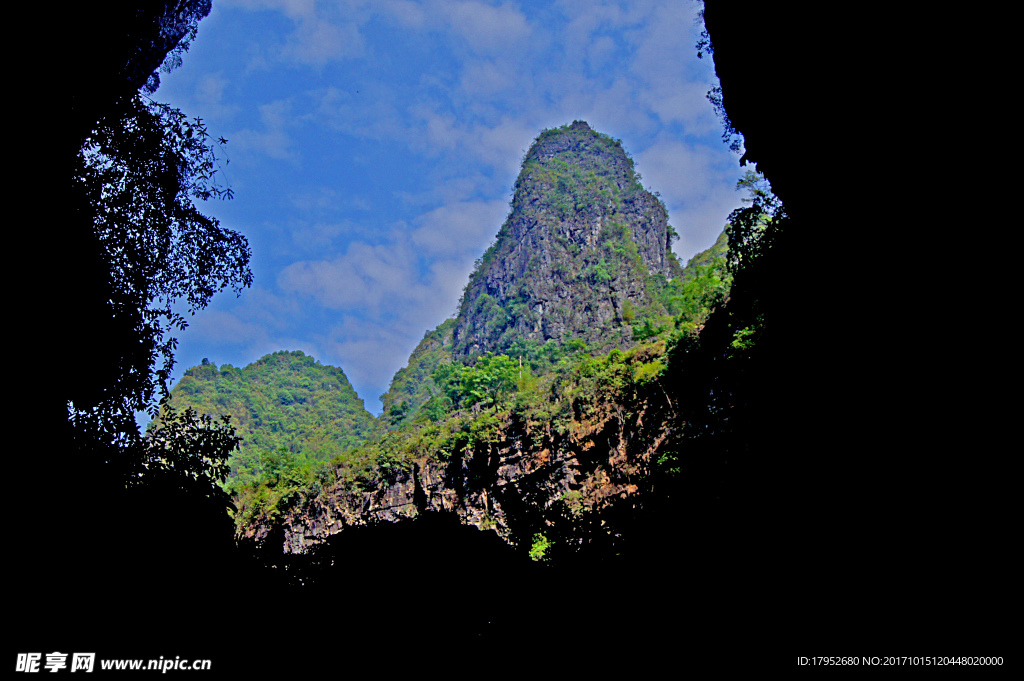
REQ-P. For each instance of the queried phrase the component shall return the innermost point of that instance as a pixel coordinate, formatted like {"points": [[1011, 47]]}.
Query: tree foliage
{"points": [[283, 400], [147, 256], [189, 452], [264, 483], [123, 257], [750, 229], [297, 420], [140, 175], [484, 383], [412, 386]]}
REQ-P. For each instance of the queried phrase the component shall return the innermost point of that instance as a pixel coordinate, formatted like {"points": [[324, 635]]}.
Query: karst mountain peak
{"points": [[575, 257]]}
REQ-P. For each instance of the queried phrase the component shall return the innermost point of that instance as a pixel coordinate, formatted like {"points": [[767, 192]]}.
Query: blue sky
{"points": [[373, 146]]}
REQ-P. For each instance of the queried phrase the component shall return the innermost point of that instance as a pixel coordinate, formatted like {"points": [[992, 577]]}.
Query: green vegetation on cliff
{"points": [[582, 263], [412, 385], [293, 414], [554, 383]]}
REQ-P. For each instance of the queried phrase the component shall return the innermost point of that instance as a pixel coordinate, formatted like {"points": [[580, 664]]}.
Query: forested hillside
{"points": [[293, 415], [286, 400]]}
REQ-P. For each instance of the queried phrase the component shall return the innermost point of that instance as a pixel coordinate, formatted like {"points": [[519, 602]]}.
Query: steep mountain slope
{"points": [[575, 256], [584, 256], [412, 385]]}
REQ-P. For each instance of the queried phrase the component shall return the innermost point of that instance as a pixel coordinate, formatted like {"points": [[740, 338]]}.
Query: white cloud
{"points": [[484, 78], [459, 229], [217, 327], [317, 40], [608, 109], [422, 268], [697, 187], [363, 278], [240, 330], [388, 294], [487, 29], [273, 140], [315, 201], [659, 41], [502, 145], [291, 8], [372, 111], [680, 171], [209, 95], [324, 31], [409, 14], [438, 128], [321, 237], [670, 85], [275, 312], [453, 190], [370, 354], [499, 144], [599, 52], [373, 343]]}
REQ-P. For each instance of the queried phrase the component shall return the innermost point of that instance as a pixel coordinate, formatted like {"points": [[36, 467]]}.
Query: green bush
{"points": [[540, 547]]}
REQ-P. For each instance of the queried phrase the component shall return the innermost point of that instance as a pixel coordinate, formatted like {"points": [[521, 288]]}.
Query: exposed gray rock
{"points": [[574, 256], [529, 476]]}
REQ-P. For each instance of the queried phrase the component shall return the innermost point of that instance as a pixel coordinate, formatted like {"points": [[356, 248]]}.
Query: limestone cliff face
{"points": [[564, 480], [574, 257]]}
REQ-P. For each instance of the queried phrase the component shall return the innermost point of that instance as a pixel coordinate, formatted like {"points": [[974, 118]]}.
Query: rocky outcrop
{"points": [[532, 478], [574, 256]]}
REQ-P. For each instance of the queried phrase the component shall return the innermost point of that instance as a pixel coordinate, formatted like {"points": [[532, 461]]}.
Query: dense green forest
{"points": [[293, 416]]}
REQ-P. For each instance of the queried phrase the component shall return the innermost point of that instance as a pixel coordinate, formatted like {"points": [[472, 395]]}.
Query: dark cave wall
{"points": [[867, 451]]}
